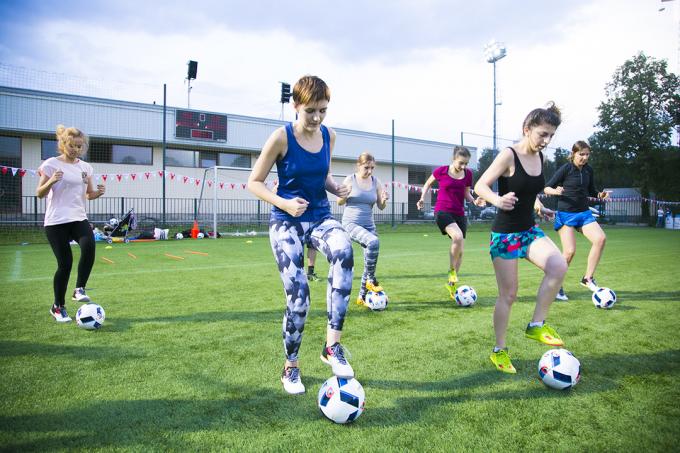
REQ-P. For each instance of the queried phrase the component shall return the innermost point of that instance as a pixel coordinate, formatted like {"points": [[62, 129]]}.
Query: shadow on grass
{"points": [[249, 409], [24, 348]]}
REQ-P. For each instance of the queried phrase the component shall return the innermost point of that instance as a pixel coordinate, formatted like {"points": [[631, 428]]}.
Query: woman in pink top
{"points": [[66, 180], [455, 181]]}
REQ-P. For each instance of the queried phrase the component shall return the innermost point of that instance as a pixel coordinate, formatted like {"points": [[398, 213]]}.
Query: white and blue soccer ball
{"points": [[376, 301], [90, 317], [466, 296], [179, 236], [604, 298], [559, 369], [200, 235], [341, 400]]}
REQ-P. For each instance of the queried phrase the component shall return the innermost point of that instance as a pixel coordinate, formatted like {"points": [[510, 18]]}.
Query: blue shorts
{"points": [[573, 219], [512, 246]]}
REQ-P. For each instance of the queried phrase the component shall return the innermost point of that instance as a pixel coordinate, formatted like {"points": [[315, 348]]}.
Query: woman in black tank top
{"points": [[519, 172]]}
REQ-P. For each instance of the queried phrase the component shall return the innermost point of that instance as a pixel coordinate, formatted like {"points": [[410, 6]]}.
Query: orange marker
{"points": [[174, 257]]}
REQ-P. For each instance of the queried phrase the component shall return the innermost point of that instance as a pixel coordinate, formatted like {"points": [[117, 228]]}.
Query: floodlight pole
{"points": [[493, 52]]}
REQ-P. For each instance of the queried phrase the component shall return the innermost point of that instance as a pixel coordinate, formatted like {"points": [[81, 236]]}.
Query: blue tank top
{"points": [[303, 174], [526, 187]]}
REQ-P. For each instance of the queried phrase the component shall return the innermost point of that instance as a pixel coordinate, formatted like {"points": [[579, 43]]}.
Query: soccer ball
{"points": [[341, 400], [466, 296], [179, 236], [200, 235], [604, 298], [376, 301], [90, 317], [559, 369]]}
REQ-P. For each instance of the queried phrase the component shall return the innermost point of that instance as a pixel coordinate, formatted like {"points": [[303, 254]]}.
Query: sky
{"points": [[417, 62]]}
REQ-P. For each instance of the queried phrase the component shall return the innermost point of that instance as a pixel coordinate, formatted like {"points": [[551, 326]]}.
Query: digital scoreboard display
{"points": [[200, 126]]}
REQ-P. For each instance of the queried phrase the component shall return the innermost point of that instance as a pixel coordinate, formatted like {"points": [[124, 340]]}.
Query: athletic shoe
{"points": [[80, 296], [312, 277], [451, 284], [373, 285], [335, 357], [589, 283], [561, 295], [502, 361], [290, 377], [545, 334], [59, 313], [361, 301]]}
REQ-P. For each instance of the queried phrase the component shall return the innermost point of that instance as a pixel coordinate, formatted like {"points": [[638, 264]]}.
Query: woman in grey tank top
{"points": [[357, 218]]}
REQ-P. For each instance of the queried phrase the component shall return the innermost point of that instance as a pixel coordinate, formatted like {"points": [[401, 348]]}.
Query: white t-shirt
{"points": [[66, 198]]}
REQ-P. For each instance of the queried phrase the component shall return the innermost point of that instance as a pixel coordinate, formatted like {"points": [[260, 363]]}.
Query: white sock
{"points": [[536, 324]]}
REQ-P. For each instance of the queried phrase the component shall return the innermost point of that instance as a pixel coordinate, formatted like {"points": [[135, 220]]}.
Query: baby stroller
{"points": [[120, 228]]}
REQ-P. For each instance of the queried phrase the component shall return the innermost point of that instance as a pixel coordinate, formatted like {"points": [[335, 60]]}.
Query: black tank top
{"points": [[526, 187]]}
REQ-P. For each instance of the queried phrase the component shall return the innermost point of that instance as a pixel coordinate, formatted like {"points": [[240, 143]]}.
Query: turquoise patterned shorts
{"points": [[511, 246]]}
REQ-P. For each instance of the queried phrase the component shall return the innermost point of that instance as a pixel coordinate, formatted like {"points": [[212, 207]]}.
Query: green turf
{"points": [[190, 354]]}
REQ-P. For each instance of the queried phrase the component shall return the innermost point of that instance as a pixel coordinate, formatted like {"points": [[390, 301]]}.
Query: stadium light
{"points": [[493, 52], [192, 68]]}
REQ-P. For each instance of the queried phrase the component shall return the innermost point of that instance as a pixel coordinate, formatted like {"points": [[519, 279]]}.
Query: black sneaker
{"points": [[59, 313], [589, 283], [561, 295], [80, 296], [312, 277]]}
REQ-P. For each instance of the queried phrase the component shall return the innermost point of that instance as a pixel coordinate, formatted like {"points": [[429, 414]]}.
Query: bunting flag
{"points": [[149, 176]]}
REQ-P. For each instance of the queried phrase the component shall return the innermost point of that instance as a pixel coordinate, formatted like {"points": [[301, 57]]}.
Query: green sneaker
{"points": [[544, 334], [502, 361], [451, 284]]}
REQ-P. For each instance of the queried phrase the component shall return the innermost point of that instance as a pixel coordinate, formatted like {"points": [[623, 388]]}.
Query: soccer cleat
{"points": [[373, 285], [59, 313], [561, 295], [312, 277], [453, 276], [335, 357], [361, 301], [589, 283], [544, 334], [451, 284], [80, 296], [290, 377], [502, 361]]}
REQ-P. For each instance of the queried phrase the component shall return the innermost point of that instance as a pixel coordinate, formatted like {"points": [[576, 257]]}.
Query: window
{"points": [[48, 148], [233, 160], [180, 158], [10, 151], [208, 159], [120, 154], [128, 154]]}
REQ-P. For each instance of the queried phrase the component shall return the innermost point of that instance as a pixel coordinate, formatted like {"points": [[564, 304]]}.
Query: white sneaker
{"points": [[59, 313], [290, 377], [561, 295], [335, 357], [80, 296]]}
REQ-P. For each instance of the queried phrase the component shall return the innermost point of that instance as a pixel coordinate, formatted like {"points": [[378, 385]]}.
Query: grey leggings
{"points": [[287, 239], [368, 239]]}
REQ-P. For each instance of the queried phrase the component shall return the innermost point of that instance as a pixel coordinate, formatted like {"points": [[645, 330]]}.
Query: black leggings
{"points": [[60, 237]]}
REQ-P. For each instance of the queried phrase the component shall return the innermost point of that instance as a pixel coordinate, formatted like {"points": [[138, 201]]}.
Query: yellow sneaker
{"points": [[453, 277], [361, 301], [502, 361], [544, 334], [374, 286]]}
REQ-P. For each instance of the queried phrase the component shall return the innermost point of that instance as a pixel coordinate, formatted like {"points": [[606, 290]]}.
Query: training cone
{"points": [[194, 230]]}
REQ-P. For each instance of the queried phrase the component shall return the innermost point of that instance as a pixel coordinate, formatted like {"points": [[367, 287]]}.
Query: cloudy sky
{"points": [[419, 62]]}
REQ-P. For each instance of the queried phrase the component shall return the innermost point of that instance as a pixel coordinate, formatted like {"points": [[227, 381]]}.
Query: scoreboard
{"points": [[200, 126]]}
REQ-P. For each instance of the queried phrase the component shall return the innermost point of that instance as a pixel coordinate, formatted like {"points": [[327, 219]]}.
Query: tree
{"points": [[483, 163], [635, 123]]}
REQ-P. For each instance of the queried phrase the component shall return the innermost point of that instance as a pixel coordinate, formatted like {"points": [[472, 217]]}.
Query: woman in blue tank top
{"points": [[519, 172], [301, 215], [357, 219]]}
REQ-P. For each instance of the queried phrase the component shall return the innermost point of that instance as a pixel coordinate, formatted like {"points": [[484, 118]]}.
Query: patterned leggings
{"points": [[287, 239], [367, 238]]}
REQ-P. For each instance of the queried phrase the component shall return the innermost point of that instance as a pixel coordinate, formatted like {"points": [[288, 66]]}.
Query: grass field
{"points": [[190, 355]]}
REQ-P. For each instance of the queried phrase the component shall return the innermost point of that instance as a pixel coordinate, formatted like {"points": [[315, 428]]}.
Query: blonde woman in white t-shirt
{"points": [[66, 180]]}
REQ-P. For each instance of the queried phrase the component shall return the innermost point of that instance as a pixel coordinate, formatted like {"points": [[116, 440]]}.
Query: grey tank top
{"points": [[359, 207]]}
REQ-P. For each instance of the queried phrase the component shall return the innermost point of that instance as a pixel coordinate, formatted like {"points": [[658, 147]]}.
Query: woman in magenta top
{"points": [[455, 181]]}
